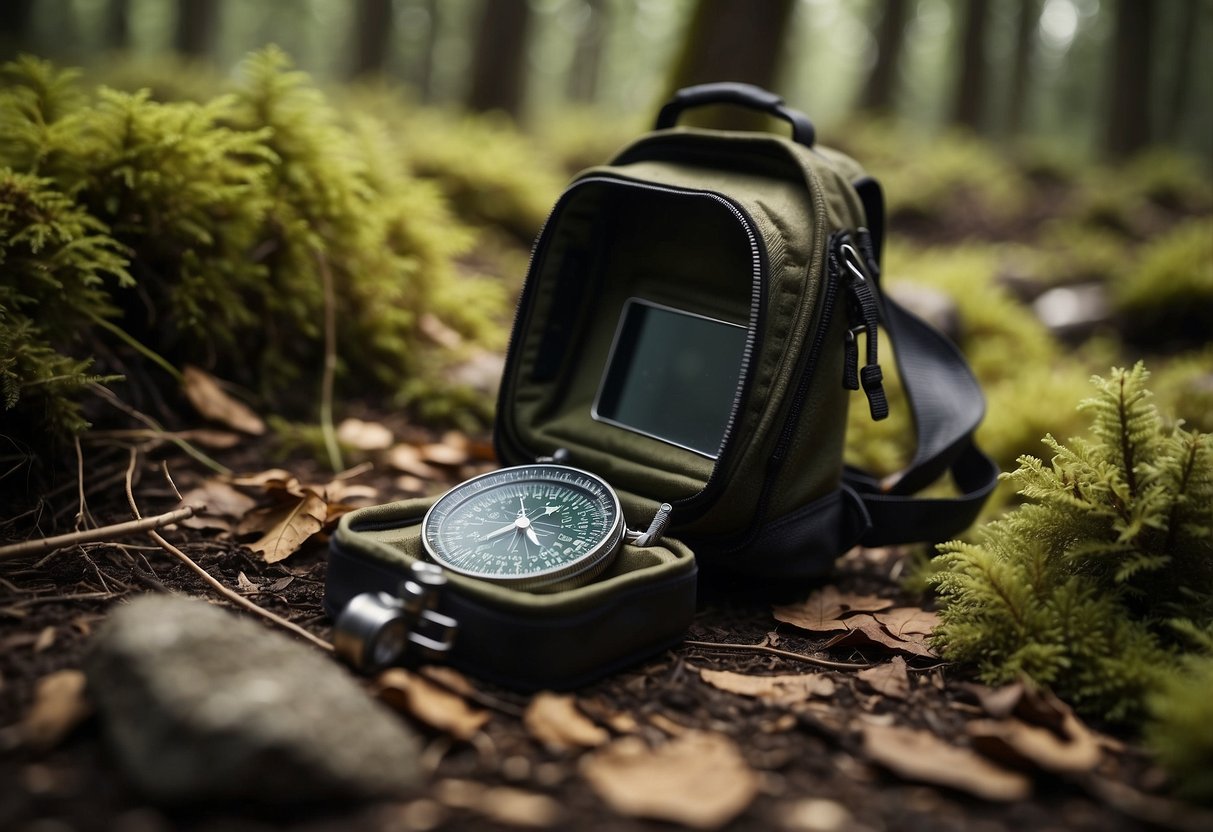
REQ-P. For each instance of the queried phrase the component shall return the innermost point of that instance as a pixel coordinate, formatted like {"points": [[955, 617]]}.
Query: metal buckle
{"points": [[378, 629]]}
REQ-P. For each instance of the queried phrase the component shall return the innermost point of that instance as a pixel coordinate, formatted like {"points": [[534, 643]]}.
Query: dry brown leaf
{"points": [[408, 484], [1030, 746], [823, 611], [244, 584], [292, 525], [430, 702], [450, 678], [666, 725], [440, 453], [210, 400], [219, 503], [502, 804], [907, 622], [923, 757], [699, 779], [890, 678], [780, 689], [407, 459], [554, 720], [270, 481], [364, 436], [59, 706], [866, 630], [45, 640]]}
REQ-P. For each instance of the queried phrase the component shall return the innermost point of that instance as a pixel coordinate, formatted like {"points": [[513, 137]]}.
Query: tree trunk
{"points": [[499, 63], [197, 23], [1021, 64], [14, 27], [1176, 104], [118, 25], [890, 37], [1128, 93], [425, 67], [968, 107], [732, 40], [587, 56], [373, 33]]}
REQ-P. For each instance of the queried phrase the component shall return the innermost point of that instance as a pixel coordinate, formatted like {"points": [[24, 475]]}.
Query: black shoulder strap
{"points": [[947, 405]]}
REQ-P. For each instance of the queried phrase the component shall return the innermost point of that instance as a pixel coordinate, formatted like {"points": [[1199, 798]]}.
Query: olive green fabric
{"points": [[614, 237], [391, 534]]}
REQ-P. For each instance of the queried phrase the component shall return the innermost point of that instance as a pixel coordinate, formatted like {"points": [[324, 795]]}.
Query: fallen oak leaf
{"points": [[923, 757], [555, 721], [364, 436], [699, 779], [866, 630], [430, 703], [271, 481], [1030, 746], [502, 804], [210, 400], [217, 502], [784, 689], [292, 526], [890, 678], [904, 622], [407, 459], [60, 704], [825, 608]]}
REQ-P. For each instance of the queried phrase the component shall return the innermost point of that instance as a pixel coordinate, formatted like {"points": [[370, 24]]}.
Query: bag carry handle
{"points": [[741, 95]]}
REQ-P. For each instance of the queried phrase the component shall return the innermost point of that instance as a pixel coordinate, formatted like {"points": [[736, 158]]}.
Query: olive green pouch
{"points": [[773, 242]]}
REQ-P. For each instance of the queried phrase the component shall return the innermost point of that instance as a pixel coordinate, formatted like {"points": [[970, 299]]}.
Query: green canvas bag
{"points": [[690, 332]]}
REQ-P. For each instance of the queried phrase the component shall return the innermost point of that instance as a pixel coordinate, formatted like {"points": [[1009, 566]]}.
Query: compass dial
{"points": [[533, 527]]}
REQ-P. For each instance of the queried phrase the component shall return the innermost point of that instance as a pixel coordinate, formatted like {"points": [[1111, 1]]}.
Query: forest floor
{"points": [[752, 723]]}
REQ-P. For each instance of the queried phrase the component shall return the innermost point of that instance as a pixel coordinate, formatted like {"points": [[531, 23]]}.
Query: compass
{"points": [[542, 527]]}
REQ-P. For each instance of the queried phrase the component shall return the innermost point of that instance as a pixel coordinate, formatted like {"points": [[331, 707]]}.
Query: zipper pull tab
{"points": [[850, 359], [866, 315]]}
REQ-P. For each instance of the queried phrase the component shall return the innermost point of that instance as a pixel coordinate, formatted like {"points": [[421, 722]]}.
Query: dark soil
{"points": [[51, 605]]}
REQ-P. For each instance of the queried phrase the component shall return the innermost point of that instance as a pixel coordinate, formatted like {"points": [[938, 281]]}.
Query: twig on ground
{"points": [[212, 582], [775, 651], [101, 533], [107, 394], [82, 513]]}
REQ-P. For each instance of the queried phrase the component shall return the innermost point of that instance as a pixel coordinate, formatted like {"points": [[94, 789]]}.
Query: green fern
{"points": [[1077, 588]]}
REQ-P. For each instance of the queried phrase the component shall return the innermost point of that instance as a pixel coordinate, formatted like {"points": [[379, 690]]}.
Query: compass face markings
{"points": [[524, 523]]}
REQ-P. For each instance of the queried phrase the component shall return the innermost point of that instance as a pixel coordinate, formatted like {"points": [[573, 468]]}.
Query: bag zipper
{"points": [[754, 328], [863, 315], [788, 432]]}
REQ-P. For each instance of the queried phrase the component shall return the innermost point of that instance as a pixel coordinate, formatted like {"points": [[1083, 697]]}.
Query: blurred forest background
{"points": [[1113, 76]]}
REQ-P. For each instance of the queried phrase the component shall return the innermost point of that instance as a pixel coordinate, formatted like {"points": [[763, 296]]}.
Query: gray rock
{"points": [[200, 704], [1074, 311]]}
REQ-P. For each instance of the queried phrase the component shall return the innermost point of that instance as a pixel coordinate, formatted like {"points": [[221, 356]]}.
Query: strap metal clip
{"points": [[378, 629]]}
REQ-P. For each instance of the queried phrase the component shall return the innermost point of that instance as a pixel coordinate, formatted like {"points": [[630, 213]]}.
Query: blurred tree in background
{"points": [[1110, 75]]}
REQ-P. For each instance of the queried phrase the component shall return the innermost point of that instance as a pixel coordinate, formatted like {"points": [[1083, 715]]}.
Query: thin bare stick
{"points": [[107, 394], [213, 583], [775, 651], [330, 365], [82, 513], [117, 530], [236, 598]]}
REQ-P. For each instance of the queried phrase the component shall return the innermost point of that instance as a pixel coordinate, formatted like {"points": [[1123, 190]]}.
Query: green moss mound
{"points": [[1079, 588], [223, 233]]}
